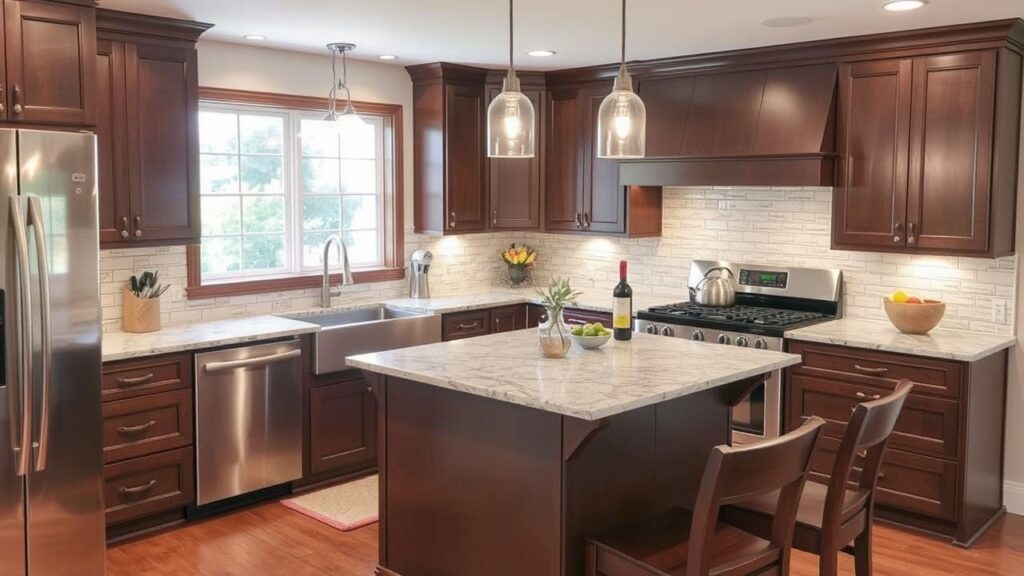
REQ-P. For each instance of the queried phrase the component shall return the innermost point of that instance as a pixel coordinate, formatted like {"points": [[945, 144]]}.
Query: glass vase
{"points": [[554, 335]]}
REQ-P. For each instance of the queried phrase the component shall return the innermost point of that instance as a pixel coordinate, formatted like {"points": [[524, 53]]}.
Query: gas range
{"points": [[740, 318]]}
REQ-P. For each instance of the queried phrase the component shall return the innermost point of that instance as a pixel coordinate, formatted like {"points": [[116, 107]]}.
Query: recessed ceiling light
{"points": [[903, 5], [541, 53], [786, 21], [255, 37], [388, 57]]}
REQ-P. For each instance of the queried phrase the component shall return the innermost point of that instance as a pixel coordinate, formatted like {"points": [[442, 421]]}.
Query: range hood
{"points": [[773, 127]]}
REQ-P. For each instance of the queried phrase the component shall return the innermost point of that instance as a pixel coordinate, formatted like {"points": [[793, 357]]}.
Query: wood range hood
{"points": [[755, 127]]}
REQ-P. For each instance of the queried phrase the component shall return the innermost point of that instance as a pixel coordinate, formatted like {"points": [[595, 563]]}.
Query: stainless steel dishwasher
{"points": [[248, 419]]}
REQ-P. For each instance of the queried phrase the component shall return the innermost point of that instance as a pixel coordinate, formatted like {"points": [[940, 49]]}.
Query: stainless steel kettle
{"points": [[715, 289]]}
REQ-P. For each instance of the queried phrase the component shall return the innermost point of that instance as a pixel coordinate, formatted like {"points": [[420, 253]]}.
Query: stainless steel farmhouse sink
{"points": [[363, 330]]}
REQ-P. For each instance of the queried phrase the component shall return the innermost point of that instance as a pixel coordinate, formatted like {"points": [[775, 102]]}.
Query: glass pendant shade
{"points": [[622, 121], [347, 120], [510, 123]]}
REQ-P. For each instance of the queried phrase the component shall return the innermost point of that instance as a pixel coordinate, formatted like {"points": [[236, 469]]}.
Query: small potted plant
{"points": [[518, 259], [141, 303], [555, 339]]}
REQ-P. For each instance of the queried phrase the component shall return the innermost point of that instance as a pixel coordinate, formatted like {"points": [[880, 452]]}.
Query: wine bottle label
{"points": [[621, 313]]}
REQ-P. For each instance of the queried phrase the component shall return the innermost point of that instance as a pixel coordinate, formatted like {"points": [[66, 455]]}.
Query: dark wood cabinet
{"points": [[582, 192], [508, 318], [51, 73], [149, 463], [537, 314], [942, 470], [514, 184], [449, 169], [928, 154], [473, 323], [147, 129], [342, 426]]}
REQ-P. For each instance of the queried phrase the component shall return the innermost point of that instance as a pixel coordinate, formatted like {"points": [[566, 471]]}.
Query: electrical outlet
{"points": [[999, 311]]}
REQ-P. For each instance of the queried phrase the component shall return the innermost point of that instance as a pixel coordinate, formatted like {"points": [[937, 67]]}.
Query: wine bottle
{"points": [[622, 306]]}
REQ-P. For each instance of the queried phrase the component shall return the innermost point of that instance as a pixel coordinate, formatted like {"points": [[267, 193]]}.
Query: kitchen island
{"points": [[497, 461]]}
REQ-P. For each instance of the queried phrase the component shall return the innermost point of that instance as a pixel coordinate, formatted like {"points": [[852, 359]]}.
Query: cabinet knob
{"points": [[3, 106], [452, 220], [899, 233], [494, 217], [912, 233], [579, 220], [138, 226], [124, 227], [18, 109], [586, 221]]}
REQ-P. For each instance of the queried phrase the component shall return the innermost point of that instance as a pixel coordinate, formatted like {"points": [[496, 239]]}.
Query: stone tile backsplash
{"points": [[789, 226]]}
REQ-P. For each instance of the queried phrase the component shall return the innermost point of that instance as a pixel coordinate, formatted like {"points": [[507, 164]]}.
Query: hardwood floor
{"points": [[271, 539]]}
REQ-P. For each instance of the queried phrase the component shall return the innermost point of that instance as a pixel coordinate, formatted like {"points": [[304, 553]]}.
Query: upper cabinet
{"points": [[514, 185], [48, 50], [147, 129], [583, 193], [928, 154]]}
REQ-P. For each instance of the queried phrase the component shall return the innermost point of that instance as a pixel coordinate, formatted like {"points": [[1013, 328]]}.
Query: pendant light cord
{"points": [[623, 48], [333, 96], [511, 66]]}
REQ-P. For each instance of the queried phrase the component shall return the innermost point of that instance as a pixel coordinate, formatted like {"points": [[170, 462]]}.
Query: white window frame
{"points": [[291, 181]]}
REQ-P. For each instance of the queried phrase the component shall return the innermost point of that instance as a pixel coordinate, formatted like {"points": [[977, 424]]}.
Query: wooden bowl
{"points": [[915, 318]]}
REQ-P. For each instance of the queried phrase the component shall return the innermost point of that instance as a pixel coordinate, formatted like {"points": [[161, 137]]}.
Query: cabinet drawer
{"points": [[575, 316], [133, 378], [467, 324], [927, 425], [147, 424], [907, 482], [144, 486], [882, 369], [508, 318]]}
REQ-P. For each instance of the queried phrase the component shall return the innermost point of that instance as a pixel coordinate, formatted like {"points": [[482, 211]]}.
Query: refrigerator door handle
{"points": [[35, 217], [23, 451]]}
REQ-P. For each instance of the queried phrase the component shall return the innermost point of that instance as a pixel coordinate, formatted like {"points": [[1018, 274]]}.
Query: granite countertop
{"points": [[877, 335], [596, 300], [587, 384], [123, 345]]}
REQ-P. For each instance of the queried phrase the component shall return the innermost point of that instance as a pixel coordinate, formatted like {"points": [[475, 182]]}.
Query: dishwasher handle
{"points": [[252, 362]]}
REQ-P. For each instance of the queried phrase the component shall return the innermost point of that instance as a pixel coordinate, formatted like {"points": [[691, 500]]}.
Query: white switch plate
{"points": [[999, 310]]}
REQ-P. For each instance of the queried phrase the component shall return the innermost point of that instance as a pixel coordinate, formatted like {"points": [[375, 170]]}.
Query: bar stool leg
{"points": [[862, 552], [828, 560]]}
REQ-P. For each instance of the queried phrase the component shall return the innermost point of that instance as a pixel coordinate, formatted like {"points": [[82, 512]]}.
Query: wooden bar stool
{"points": [[838, 517], [679, 543]]}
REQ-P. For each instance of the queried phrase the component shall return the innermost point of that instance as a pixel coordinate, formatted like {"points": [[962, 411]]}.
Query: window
{"points": [[276, 182]]}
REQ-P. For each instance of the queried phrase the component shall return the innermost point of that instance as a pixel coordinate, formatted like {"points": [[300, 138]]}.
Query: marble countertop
{"points": [[879, 335], [587, 384], [596, 300], [123, 345]]}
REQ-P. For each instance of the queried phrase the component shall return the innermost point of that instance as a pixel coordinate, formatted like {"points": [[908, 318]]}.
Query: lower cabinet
{"points": [[942, 470], [537, 314], [339, 415], [149, 462]]}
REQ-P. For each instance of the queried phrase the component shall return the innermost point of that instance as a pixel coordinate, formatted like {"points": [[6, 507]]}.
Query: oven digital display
{"points": [[763, 278]]}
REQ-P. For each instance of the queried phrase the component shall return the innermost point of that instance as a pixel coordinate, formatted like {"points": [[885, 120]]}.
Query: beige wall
{"points": [[242, 67]]}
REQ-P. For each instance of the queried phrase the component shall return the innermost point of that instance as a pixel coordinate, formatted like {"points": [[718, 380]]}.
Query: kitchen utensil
{"points": [[715, 289], [915, 318]]}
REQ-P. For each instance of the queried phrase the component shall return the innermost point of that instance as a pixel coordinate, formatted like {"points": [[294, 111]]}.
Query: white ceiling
{"points": [[583, 32]]}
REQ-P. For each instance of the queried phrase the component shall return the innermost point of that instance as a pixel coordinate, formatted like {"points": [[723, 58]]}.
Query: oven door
{"points": [[759, 416]]}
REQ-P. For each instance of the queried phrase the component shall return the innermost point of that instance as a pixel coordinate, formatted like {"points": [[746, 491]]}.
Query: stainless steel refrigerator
{"points": [[51, 451]]}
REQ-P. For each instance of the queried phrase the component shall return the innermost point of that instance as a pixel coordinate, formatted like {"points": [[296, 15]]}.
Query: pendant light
{"points": [[622, 118], [510, 117], [347, 119]]}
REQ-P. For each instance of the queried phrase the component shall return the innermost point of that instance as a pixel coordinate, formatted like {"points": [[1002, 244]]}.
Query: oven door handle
{"points": [[252, 362]]}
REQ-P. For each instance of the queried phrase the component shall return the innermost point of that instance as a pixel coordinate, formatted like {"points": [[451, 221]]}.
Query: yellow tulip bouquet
{"points": [[518, 259]]}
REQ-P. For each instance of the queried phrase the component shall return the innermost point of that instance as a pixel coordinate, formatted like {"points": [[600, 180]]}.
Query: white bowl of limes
{"points": [[590, 336]]}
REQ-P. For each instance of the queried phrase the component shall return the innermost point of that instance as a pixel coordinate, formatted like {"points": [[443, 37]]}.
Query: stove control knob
{"points": [[651, 329], [742, 341], [760, 344], [668, 331], [697, 336], [724, 339]]}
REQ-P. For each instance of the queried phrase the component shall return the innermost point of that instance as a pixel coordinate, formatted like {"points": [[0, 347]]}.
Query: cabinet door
{"points": [[514, 183], [50, 49], [951, 152], [604, 201], [342, 426], [464, 159], [163, 141], [563, 190], [508, 318], [667, 101], [111, 140], [870, 199]]}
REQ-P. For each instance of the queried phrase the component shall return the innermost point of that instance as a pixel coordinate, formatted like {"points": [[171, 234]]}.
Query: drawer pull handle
{"points": [[872, 396], [131, 490], [135, 381], [868, 370], [129, 430], [468, 325]]}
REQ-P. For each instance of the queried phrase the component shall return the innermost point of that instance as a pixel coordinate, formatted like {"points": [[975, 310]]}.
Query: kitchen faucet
{"points": [[346, 275]]}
